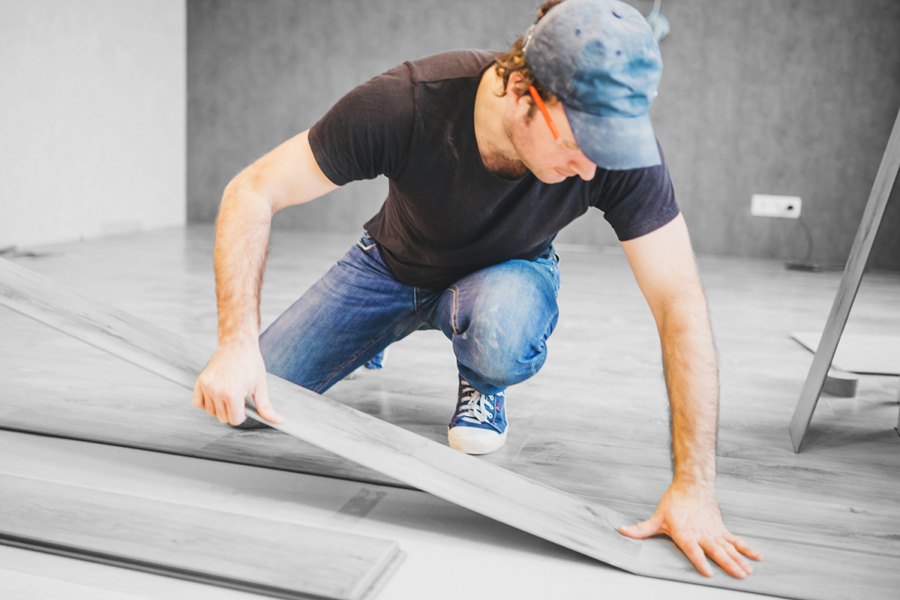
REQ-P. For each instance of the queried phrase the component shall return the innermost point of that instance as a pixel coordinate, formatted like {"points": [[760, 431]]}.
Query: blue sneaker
{"points": [[377, 361], [479, 425]]}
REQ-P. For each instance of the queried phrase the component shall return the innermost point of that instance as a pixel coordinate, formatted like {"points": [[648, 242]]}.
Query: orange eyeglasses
{"points": [[543, 108]]}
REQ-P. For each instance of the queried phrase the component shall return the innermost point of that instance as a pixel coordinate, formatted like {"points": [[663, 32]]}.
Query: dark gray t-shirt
{"points": [[446, 215]]}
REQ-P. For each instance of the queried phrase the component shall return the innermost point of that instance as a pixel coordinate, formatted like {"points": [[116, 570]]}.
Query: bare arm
{"points": [[663, 264], [287, 175]]}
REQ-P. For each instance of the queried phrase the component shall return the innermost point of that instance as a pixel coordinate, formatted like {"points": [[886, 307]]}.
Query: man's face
{"points": [[533, 142]]}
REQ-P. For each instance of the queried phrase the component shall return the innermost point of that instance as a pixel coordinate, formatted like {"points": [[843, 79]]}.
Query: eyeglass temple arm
{"points": [[543, 108]]}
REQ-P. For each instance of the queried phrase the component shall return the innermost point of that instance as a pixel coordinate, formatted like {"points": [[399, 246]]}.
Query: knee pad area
{"points": [[501, 352]]}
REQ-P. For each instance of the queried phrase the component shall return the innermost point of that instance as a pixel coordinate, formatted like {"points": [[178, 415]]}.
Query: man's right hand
{"points": [[233, 373], [287, 175]]}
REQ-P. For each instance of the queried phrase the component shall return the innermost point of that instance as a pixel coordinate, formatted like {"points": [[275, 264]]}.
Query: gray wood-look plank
{"points": [[569, 521], [234, 551], [846, 294], [872, 354]]}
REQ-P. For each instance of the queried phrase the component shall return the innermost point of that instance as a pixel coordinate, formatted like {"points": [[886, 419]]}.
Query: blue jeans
{"points": [[498, 319]]}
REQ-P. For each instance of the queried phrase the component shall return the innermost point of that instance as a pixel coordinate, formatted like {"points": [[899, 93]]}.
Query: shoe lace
{"points": [[475, 406]]}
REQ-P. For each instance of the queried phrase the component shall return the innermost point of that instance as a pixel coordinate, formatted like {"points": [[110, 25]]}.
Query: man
{"points": [[488, 157]]}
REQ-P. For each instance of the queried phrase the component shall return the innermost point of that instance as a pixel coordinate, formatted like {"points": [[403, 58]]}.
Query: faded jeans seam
{"points": [[416, 307], [363, 349], [454, 314], [377, 339]]}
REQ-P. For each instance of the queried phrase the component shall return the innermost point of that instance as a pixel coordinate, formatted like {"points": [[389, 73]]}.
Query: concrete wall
{"points": [[260, 72], [92, 118], [792, 97], [758, 96]]}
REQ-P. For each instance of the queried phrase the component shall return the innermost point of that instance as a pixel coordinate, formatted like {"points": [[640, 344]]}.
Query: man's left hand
{"points": [[690, 515]]}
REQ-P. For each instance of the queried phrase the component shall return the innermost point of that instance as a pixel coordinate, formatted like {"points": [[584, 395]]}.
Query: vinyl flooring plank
{"points": [[193, 436], [25, 586], [246, 553], [799, 570], [852, 525], [371, 442], [872, 354], [564, 457], [777, 536], [92, 423], [269, 448]]}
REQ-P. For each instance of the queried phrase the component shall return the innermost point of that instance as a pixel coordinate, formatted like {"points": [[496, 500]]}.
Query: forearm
{"points": [[242, 241], [287, 175], [692, 381], [664, 267]]}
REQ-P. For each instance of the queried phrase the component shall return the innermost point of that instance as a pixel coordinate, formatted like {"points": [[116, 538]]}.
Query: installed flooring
{"points": [[593, 422], [450, 552]]}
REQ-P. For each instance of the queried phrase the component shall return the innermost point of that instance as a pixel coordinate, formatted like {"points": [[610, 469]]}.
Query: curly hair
{"points": [[514, 62]]}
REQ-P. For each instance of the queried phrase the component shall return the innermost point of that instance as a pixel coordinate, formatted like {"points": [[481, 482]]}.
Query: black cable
{"points": [[809, 240], [805, 264]]}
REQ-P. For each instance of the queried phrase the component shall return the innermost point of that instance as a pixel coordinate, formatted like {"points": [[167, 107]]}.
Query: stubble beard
{"points": [[505, 166]]}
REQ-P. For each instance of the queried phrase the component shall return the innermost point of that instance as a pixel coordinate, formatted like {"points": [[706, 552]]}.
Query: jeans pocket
{"points": [[552, 268], [556, 279], [366, 243], [369, 247]]}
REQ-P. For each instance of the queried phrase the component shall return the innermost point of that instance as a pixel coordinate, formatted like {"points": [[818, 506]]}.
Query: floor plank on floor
{"points": [[210, 546], [446, 547]]}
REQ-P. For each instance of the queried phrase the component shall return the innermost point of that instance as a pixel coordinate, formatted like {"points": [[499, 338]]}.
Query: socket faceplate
{"points": [[787, 207]]}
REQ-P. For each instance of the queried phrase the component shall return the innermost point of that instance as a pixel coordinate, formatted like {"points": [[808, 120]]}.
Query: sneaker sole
{"points": [[468, 445]]}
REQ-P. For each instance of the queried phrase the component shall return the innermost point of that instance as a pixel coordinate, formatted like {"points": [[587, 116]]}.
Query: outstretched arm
{"points": [[287, 175], [663, 264]]}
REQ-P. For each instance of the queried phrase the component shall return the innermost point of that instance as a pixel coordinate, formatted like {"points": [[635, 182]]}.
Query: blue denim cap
{"points": [[599, 57]]}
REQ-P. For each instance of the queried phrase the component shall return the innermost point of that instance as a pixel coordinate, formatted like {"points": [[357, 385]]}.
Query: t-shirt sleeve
{"points": [[367, 133], [637, 201]]}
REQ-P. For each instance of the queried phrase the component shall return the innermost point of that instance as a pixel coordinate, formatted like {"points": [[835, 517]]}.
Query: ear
{"points": [[517, 94], [515, 86]]}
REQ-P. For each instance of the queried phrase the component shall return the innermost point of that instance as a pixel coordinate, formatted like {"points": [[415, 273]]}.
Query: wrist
{"points": [[695, 473], [694, 480], [239, 341]]}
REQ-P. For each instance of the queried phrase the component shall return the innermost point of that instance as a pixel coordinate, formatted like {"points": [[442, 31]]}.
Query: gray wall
{"points": [[781, 97], [791, 97], [92, 118]]}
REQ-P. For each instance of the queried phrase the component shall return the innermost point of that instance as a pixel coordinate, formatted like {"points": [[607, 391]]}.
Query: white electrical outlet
{"points": [[787, 207]]}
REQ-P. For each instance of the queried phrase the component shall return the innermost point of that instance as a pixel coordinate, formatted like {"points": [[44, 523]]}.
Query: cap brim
{"points": [[615, 143]]}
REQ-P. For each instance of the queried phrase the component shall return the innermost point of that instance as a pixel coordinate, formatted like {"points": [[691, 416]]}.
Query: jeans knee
{"points": [[501, 356]]}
